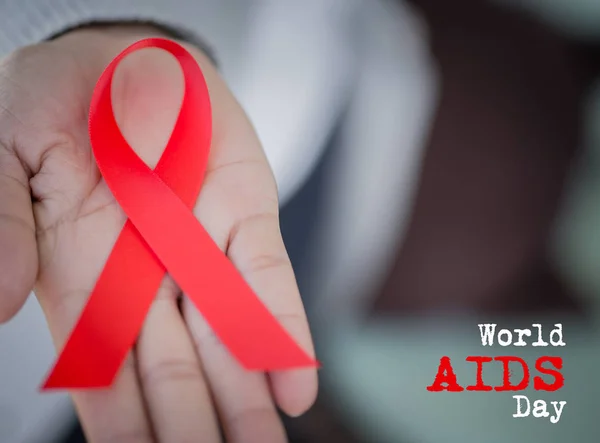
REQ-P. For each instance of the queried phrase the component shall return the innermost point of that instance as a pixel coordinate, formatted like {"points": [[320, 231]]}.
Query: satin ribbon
{"points": [[162, 235]]}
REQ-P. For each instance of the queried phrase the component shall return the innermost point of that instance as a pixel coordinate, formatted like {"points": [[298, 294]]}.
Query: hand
{"points": [[58, 222]]}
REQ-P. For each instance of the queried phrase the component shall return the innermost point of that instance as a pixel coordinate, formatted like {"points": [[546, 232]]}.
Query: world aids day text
{"points": [[545, 373]]}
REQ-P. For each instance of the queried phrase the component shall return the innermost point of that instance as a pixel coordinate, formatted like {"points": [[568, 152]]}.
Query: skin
{"points": [[58, 222]]}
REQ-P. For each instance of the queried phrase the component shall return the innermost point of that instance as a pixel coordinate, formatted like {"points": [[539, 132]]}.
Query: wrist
{"points": [[117, 30], [122, 34]]}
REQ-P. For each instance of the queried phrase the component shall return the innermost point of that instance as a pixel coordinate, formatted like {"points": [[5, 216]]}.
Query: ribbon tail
{"points": [[247, 328], [205, 274], [112, 318]]}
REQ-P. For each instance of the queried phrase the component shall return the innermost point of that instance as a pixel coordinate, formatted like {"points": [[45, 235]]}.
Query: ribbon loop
{"points": [[162, 235]]}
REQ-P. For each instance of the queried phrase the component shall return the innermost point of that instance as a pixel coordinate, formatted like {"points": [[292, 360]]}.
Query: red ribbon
{"points": [[162, 235]]}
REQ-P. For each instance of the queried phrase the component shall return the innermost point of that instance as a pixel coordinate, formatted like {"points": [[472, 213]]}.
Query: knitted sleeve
{"points": [[25, 22]]}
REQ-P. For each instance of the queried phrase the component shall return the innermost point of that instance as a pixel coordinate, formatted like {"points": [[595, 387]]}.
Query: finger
{"points": [[243, 400], [115, 414], [18, 250], [238, 206], [257, 249], [178, 398]]}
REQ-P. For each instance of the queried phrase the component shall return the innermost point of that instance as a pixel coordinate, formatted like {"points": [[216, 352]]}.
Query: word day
{"points": [[548, 366]]}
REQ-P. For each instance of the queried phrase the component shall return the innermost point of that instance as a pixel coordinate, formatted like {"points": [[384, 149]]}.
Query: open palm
{"points": [[59, 221]]}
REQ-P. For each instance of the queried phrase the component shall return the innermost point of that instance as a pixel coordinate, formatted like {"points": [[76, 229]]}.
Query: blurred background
{"points": [[439, 166]]}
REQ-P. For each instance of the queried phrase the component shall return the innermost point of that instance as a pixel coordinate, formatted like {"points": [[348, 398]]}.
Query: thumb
{"points": [[18, 249]]}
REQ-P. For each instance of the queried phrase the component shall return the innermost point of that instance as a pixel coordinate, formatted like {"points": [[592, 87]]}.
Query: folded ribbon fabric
{"points": [[162, 235]]}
